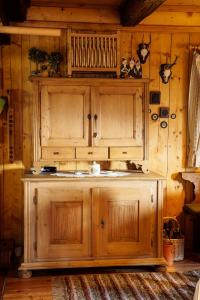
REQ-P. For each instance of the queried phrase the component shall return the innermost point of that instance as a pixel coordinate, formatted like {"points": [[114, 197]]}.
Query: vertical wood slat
{"points": [[1, 149], [27, 104], [161, 44], [66, 51], [177, 127]]}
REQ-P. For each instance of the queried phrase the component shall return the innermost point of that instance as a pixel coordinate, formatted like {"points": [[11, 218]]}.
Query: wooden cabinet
{"points": [[64, 116], [122, 220], [105, 115], [118, 116], [85, 222], [62, 222]]}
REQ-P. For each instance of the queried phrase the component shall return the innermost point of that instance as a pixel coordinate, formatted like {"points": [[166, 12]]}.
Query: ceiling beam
{"points": [[30, 31], [132, 12], [13, 10], [4, 39]]}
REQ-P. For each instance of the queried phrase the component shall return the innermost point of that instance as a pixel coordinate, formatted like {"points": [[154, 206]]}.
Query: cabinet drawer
{"points": [[91, 153], [126, 153], [61, 153]]}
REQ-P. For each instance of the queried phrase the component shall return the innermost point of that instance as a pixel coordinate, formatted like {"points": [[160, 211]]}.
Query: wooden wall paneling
{"points": [[112, 27], [158, 137], [125, 45], [1, 153], [177, 127], [6, 63], [27, 104], [73, 14], [49, 44], [173, 18], [15, 170], [64, 50], [34, 42], [16, 94]]}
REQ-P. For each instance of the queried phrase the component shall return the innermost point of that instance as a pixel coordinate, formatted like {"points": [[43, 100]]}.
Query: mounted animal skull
{"points": [[166, 72], [143, 52]]}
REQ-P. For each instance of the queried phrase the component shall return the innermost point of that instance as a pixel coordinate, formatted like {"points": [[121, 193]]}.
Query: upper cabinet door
{"points": [[118, 118], [64, 116]]}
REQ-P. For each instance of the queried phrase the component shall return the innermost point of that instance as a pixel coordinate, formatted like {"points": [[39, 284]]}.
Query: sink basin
{"points": [[86, 174]]}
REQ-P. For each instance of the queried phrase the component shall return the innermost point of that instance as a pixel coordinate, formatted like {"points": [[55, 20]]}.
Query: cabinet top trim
{"points": [[130, 177], [88, 81]]}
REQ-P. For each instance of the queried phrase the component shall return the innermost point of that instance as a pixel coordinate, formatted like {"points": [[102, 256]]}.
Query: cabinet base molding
{"points": [[93, 263]]}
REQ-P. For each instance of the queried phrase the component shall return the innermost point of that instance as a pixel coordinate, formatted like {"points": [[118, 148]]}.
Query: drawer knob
{"points": [[56, 153]]}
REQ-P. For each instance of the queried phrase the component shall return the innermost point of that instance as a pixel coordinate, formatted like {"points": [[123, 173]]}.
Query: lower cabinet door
{"points": [[63, 226], [122, 221]]}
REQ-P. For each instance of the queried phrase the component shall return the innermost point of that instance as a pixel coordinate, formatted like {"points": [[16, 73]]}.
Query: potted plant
{"points": [[173, 241], [38, 56], [54, 60]]}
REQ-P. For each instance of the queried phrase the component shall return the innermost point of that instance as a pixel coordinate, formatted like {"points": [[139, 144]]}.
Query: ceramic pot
{"points": [[168, 253]]}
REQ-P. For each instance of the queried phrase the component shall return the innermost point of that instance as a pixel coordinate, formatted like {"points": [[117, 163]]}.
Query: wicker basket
{"points": [[178, 248], [178, 243]]}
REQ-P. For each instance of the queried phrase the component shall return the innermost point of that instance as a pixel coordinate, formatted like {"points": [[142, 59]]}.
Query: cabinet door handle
{"points": [[89, 116], [124, 152], [95, 133], [102, 223], [56, 153], [90, 152]]}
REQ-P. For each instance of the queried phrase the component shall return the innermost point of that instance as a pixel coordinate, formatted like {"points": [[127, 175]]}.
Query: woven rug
{"points": [[126, 286]]}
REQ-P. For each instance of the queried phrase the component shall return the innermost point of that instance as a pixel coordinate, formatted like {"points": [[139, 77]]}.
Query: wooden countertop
{"points": [[130, 176]]}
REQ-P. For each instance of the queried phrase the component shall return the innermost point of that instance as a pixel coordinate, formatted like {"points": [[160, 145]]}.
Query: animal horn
{"points": [[174, 61]]}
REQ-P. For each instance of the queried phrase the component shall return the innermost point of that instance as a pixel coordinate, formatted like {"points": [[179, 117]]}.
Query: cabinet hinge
{"points": [[151, 198], [35, 246], [35, 198]]}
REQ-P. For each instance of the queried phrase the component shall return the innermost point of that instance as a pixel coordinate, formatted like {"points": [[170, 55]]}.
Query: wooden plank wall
{"points": [[167, 147]]}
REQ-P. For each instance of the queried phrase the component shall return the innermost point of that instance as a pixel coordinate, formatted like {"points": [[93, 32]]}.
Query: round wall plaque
{"points": [[163, 124], [154, 117]]}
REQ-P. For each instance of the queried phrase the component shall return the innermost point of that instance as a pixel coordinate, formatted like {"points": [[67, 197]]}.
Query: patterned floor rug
{"points": [[126, 286]]}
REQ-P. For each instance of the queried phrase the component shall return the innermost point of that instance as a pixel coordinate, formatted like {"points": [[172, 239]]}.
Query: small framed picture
{"points": [[155, 97], [164, 112]]}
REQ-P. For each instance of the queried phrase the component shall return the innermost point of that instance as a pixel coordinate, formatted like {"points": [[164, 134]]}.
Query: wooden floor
{"points": [[39, 286]]}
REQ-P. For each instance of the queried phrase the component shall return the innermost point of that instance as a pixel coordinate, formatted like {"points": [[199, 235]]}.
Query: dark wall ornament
{"points": [[130, 68], [163, 124], [138, 70], [124, 68], [154, 117], [143, 52], [166, 71], [164, 112], [173, 116], [155, 97]]}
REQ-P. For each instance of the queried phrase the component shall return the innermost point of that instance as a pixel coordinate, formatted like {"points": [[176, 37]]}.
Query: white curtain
{"points": [[194, 113]]}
